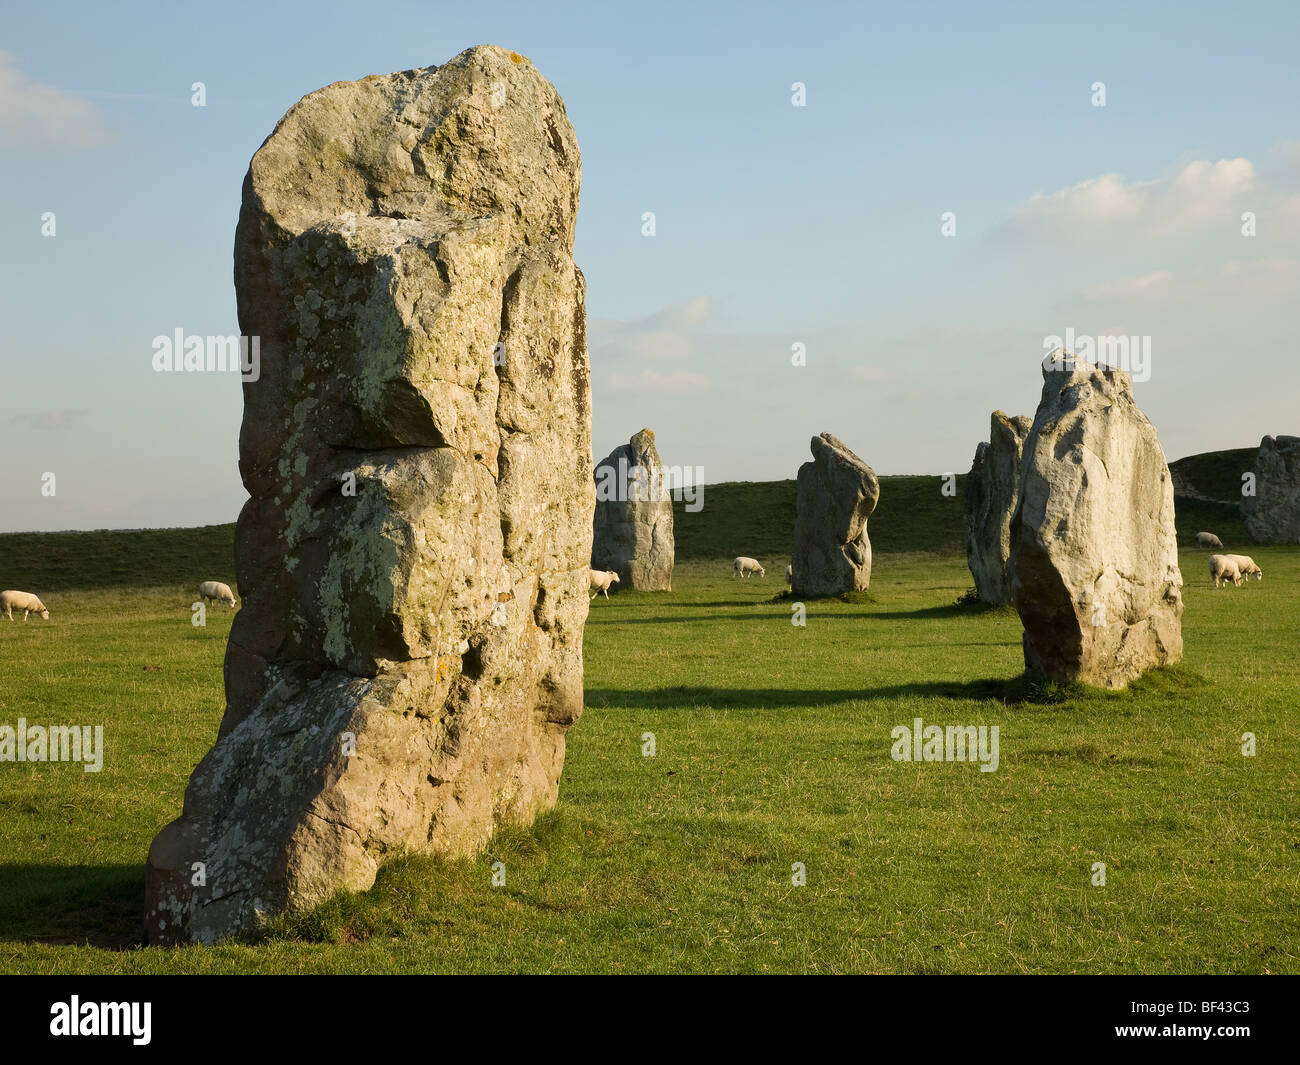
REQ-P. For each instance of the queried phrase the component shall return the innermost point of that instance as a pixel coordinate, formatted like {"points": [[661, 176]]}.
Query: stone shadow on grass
{"points": [[657, 599], [678, 619], [1023, 690], [999, 689], [922, 613], [73, 905], [949, 610], [966, 606]]}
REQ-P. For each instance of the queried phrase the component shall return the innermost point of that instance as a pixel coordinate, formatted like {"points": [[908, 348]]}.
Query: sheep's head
{"points": [[613, 577], [45, 613]]}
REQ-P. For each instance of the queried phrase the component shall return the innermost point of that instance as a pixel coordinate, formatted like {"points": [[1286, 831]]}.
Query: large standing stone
{"points": [[633, 534], [837, 493], [1094, 560], [991, 492], [413, 560], [1272, 514]]}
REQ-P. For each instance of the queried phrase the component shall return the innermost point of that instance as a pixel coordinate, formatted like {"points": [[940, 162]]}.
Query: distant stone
{"points": [[633, 528], [417, 449], [837, 493], [991, 492], [1094, 560], [1272, 514]]}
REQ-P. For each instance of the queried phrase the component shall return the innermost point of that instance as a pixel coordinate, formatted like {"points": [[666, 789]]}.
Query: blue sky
{"points": [[775, 224]]}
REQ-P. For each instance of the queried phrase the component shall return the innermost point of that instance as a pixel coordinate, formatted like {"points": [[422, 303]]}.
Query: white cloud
{"points": [[648, 344], [626, 356], [33, 115], [666, 334], [1105, 207], [692, 312], [1235, 283], [1129, 289]]}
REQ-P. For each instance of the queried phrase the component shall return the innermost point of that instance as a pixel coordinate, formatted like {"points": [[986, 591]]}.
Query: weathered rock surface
{"points": [[633, 529], [836, 494], [1272, 514], [1094, 561], [413, 557], [991, 491]]}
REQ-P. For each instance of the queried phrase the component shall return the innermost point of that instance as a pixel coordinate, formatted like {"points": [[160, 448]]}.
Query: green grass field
{"points": [[773, 748]]}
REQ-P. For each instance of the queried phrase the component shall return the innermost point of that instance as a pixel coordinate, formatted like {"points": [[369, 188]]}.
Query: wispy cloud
{"points": [[1200, 193], [39, 116], [1235, 283], [621, 350], [1128, 290], [1289, 153], [874, 375], [53, 420], [678, 382], [666, 334]]}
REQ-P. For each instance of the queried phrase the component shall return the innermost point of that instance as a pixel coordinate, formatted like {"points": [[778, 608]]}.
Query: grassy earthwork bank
{"points": [[772, 747]]}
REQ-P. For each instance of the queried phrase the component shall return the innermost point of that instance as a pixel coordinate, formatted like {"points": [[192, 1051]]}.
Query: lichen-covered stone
{"points": [[991, 491], [413, 558], [633, 528], [1094, 559], [836, 494], [1272, 514]]}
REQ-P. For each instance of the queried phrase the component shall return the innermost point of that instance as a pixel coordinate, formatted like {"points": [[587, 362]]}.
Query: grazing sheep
{"points": [[1223, 568], [1246, 567], [1204, 539], [742, 567], [601, 579], [24, 601], [217, 592]]}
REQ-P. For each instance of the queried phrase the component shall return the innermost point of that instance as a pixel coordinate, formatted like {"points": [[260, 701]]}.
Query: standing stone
{"points": [[413, 557], [837, 493], [991, 492], [633, 530], [1272, 514], [1094, 560]]}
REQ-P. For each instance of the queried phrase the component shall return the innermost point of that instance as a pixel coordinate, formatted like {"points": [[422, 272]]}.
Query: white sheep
{"points": [[742, 567], [24, 601], [1246, 567], [1204, 539], [217, 592], [1223, 568], [601, 579]]}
